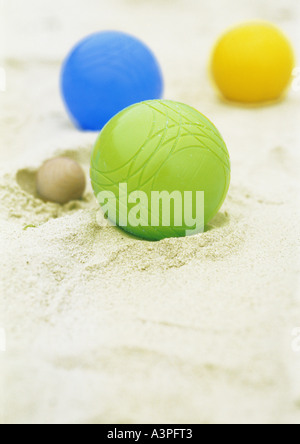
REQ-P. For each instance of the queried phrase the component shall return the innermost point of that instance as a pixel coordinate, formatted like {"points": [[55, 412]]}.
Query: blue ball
{"points": [[105, 73]]}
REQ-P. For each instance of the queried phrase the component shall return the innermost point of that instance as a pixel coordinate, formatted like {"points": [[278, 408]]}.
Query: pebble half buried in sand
{"points": [[60, 180]]}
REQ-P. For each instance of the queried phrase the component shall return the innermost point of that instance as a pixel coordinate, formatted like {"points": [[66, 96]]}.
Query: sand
{"points": [[105, 328]]}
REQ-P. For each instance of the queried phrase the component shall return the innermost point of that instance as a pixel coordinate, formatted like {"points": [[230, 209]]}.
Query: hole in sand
{"points": [[26, 179], [219, 221]]}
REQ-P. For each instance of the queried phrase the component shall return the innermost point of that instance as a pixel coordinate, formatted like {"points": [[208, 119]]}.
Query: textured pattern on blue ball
{"points": [[106, 73]]}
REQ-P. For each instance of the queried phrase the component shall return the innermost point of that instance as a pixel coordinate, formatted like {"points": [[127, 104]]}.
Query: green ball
{"points": [[158, 147]]}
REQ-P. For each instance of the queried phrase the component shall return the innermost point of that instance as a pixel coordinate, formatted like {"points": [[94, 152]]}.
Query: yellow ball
{"points": [[253, 63]]}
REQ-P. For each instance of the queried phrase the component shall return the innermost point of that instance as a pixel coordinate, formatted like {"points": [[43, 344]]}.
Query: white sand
{"points": [[104, 328]]}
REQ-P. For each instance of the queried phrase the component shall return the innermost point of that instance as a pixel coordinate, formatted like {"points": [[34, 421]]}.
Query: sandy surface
{"points": [[104, 328]]}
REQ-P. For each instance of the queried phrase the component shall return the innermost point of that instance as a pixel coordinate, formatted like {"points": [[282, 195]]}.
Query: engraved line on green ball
{"points": [[212, 136], [149, 138], [143, 146], [196, 172], [200, 124], [152, 155], [205, 135], [112, 183], [153, 178], [149, 213], [179, 151], [152, 137], [170, 153], [211, 129], [204, 147], [150, 178], [207, 148], [103, 173], [155, 151]]}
